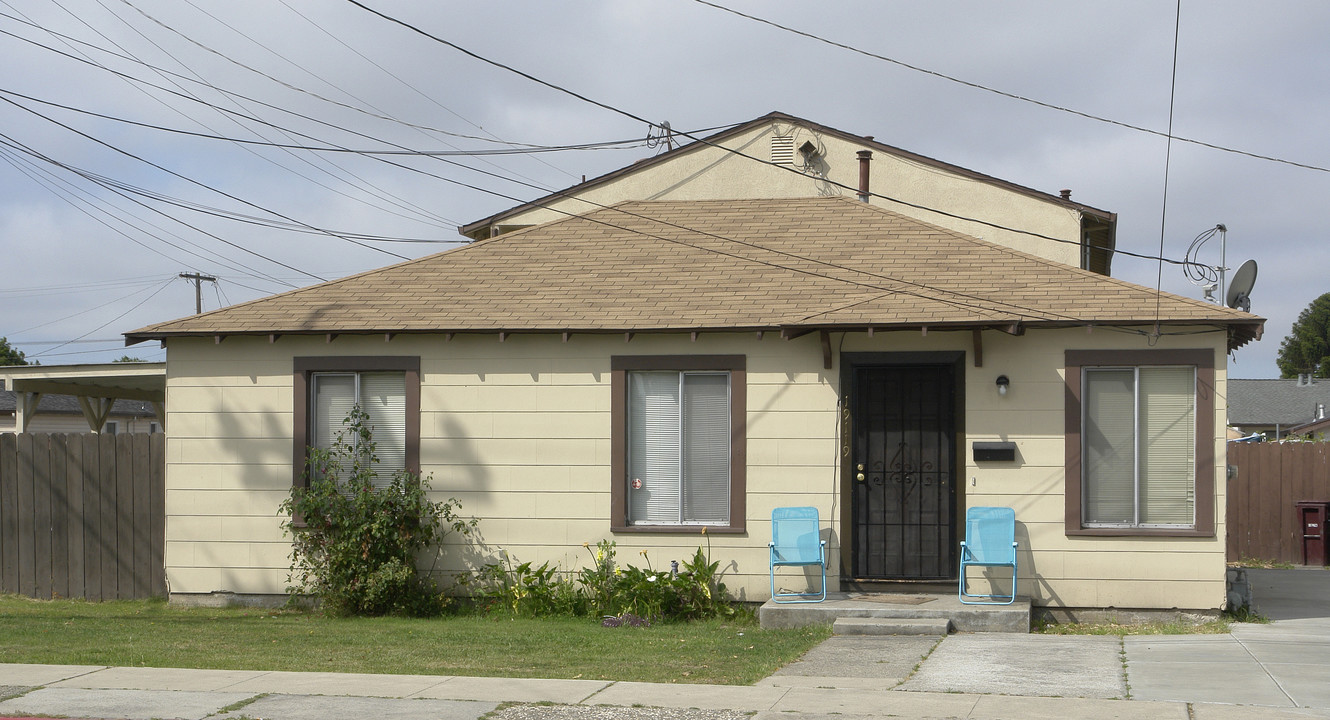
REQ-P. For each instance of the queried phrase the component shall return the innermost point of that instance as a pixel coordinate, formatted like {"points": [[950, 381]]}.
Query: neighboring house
{"points": [[1317, 429], [62, 414], [657, 368], [782, 156], [1277, 407]]}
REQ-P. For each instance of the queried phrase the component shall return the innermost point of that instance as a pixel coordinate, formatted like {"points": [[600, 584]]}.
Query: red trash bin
{"points": [[1311, 521]]}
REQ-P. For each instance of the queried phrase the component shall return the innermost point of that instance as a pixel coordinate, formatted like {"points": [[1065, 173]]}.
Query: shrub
{"points": [[522, 590], [604, 589], [355, 545]]}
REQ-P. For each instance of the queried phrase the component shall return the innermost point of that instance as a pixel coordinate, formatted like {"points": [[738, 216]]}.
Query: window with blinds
{"points": [[382, 395], [679, 447], [1139, 447]]}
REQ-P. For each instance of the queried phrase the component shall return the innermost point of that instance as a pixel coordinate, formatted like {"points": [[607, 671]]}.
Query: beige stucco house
{"points": [[782, 156], [657, 367]]}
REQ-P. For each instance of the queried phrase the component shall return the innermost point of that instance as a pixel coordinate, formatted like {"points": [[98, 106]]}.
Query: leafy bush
{"points": [[604, 589], [355, 545], [522, 590]]}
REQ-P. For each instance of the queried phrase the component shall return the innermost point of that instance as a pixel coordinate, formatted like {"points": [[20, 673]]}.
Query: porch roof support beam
{"points": [[24, 409], [96, 410]]}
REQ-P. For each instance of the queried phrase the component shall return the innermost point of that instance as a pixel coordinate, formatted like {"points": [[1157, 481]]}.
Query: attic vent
{"points": [[782, 149]]}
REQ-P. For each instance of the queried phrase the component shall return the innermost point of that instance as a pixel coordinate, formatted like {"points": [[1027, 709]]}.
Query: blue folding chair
{"points": [[796, 541], [990, 541]]}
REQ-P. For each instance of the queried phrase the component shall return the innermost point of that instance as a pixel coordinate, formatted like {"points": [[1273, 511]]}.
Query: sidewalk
{"points": [[1276, 671]]}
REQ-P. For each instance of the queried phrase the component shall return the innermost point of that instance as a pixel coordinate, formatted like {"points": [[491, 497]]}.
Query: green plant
{"points": [[355, 545], [1246, 614], [522, 590], [598, 580], [703, 595]]}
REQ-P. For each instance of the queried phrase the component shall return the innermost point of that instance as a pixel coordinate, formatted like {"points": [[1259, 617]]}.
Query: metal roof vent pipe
{"points": [[865, 157]]}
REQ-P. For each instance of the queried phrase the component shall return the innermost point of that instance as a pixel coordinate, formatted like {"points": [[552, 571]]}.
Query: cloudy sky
{"points": [[142, 139]]}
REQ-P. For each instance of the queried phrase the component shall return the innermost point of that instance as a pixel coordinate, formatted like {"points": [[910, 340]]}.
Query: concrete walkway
{"points": [[1281, 670]]}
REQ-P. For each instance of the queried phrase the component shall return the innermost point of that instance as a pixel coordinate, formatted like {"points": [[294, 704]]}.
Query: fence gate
{"points": [[1271, 479], [83, 516]]}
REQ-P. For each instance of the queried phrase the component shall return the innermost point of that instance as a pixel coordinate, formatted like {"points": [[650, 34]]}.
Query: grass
{"points": [[1262, 564], [1163, 627], [154, 634]]}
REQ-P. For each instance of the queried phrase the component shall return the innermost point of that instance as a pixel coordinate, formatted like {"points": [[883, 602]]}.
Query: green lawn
{"points": [[151, 633]]}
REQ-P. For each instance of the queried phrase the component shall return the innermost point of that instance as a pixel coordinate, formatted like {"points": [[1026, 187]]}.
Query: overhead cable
{"points": [[1013, 96]]}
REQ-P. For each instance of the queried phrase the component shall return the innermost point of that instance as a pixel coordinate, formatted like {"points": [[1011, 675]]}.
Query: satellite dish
{"points": [[1238, 292]]}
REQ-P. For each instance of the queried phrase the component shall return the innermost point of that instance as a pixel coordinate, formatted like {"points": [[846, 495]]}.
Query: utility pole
{"points": [[198, 288]]}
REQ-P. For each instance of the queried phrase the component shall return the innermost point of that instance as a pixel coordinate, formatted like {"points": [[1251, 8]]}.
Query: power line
{"points": [[707, 142], [349, 177], [203, 185], [296, 65], [732, 151], [1168, 158], [608, 144], [339, 172], [108, 322], [414, 89], [104, 183], [1012, 96], [15, 155]]}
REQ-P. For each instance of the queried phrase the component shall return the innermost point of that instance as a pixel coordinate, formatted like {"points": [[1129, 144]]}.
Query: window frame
{"points": [[303, 370], [1076, 362], [620, 366]]}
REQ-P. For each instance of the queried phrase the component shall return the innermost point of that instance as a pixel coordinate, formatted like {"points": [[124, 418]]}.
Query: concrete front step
{"points": [[890, 626], [899, 606]]}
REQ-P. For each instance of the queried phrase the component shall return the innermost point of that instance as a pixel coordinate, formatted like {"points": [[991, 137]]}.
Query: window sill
{"points": [[1140, 532], [678, 529]]}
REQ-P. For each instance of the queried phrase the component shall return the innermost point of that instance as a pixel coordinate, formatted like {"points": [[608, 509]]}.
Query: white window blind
{"points": [[383, 398], [706, 448], [679, 447], [1139, 436], [1168, 446]]}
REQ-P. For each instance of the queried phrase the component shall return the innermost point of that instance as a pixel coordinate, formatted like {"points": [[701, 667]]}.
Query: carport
{"points": [[96, 386]]}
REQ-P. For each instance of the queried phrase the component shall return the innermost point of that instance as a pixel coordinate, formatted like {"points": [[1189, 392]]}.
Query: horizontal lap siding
{"points": [[1055, 569], [518, 432]]}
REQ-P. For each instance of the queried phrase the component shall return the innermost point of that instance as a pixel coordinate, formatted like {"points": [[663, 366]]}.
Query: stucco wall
{"points": [[710, 173], [519, 433]]}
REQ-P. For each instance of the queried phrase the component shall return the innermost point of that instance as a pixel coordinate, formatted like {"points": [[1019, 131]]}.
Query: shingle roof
{"points": [[801, 264], [1270, 402], [68, 405]]}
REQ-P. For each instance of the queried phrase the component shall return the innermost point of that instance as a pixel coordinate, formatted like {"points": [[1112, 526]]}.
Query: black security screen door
{"points": [[902, 473]]}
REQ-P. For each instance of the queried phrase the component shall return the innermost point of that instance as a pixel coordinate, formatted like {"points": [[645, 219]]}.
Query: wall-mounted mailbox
{"points": [[994, 452]]}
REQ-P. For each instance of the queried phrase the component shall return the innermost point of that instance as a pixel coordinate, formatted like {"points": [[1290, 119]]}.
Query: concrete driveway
{"points": [[1285, 663]]}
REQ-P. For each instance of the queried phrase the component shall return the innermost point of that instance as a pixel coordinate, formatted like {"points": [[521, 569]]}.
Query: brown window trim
{"points": [[304, 367], [736, 365], [1204, 362]]}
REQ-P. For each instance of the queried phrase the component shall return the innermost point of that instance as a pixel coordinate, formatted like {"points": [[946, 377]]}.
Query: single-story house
{"points": [[1276, 408], [782, 156], [655, 368]]}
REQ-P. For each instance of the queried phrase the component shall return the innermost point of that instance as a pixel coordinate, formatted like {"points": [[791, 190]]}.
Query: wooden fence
{"points": [[1272, 478], [82, 516]]}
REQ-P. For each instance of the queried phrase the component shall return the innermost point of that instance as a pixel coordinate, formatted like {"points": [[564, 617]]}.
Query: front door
{"points": [[903, 484]]}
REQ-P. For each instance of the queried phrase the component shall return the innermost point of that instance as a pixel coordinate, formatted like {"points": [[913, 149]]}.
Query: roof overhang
{"points": [[125, 381], [1239, 333]]}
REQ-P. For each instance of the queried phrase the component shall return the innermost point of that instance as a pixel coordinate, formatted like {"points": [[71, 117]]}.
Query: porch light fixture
{"points": [[1002, 383]]}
